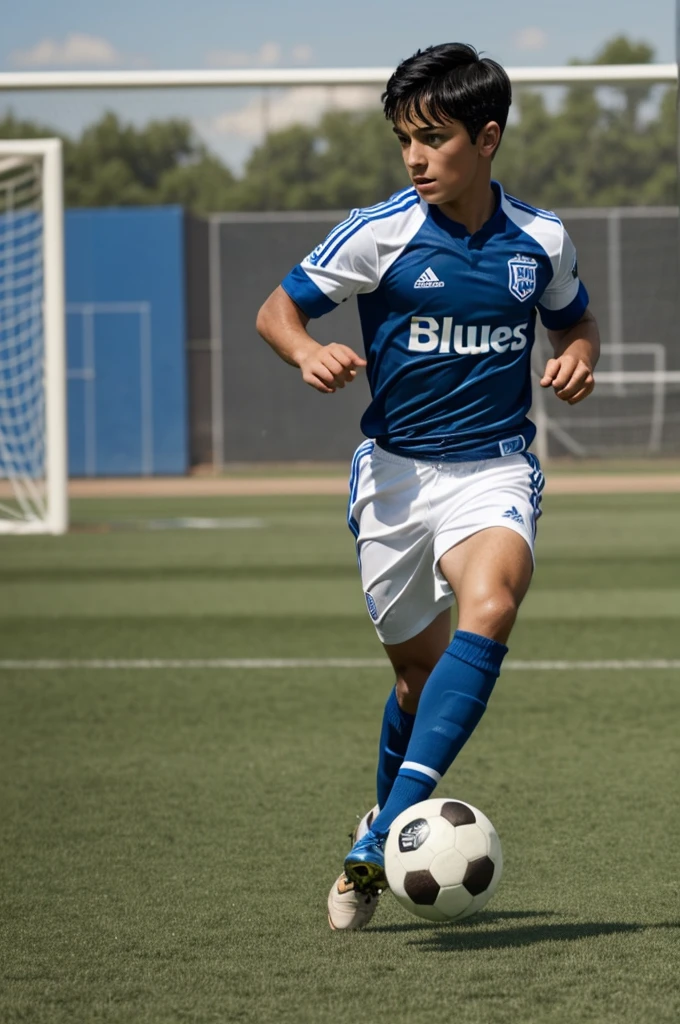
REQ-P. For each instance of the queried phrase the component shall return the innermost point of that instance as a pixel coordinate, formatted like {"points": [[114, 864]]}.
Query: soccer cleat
{"points": [[349, 909], [365, 863], [364, 824]]}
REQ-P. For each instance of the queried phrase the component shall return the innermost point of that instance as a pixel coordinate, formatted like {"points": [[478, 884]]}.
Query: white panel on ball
{"points": [[448, 867], [495, 851], [471, 841], [414, 860], [454, 902]]}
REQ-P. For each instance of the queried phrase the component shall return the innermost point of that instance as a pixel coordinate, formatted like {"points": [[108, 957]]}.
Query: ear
{"points": [[489, 139]]}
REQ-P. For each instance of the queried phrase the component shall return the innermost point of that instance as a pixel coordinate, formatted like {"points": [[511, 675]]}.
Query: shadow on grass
{"points": [[416, 925], [466, 937]]}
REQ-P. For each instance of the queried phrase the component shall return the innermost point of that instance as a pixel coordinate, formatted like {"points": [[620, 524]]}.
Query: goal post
{"points": [[33, 432]]}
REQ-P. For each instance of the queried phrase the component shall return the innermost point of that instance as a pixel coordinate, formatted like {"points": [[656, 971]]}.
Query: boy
{"points": [[444, 496]]}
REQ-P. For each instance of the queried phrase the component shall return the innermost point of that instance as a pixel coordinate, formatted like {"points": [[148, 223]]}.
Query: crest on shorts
{"points": [[372, 608], [522, 282]]}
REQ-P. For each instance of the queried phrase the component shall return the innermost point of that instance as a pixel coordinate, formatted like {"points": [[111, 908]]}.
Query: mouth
{"points": [[421, 180]]}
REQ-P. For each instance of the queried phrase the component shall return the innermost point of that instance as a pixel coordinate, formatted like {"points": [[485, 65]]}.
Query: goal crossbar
{"points": [[584, 74]]}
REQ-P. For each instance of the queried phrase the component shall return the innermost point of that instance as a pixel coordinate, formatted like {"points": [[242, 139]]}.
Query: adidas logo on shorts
{"points": [[428, 279], [512, 513]]}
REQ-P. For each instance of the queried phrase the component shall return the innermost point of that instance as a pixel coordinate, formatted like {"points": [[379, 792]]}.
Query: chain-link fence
{"points": [[246, 405]]}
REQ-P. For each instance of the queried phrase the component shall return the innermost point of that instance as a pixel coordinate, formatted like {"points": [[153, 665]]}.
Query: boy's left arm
{"points": [[577, 349]]}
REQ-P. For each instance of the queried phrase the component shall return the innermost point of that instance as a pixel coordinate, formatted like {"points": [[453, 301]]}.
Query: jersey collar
{"points": [[492, 226]]}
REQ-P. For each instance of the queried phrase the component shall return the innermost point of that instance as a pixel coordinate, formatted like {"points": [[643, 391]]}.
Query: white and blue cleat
{"points": [[365, 863], [349, 906]]}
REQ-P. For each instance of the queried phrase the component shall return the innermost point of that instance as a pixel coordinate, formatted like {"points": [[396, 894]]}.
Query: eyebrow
{"points": [[420, 130]]}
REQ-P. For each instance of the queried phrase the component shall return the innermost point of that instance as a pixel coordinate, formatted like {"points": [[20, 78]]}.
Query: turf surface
{"points": [[168, 837]]}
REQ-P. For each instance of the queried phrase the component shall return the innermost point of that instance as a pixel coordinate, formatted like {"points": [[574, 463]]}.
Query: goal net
{"points": [[33, 486]]}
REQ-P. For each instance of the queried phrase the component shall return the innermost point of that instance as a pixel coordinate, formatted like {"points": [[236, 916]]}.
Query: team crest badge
{"points": [[522, 276]]}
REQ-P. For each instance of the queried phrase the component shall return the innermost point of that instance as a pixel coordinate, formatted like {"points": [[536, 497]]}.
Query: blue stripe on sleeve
{"points": [[560, 319], [305, 294], [388, 211]]}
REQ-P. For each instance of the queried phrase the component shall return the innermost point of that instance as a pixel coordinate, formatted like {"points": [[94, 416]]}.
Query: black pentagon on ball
{"points": [[457, 813], [478, 875], [421, 887]]}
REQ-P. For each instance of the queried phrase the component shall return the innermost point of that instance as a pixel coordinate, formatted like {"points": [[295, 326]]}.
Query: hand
{"points": [[571, 378], [328, 367]]}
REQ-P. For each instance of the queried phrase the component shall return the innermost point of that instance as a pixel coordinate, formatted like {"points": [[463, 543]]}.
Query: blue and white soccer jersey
{"points": [[448, 325]]}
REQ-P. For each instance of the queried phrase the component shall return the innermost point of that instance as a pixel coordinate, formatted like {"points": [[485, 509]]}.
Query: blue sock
{"points": [[396, 732], [452, 703]]}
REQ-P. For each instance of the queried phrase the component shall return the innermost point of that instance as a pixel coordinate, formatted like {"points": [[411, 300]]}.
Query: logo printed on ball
{"points": [[413, 835]]}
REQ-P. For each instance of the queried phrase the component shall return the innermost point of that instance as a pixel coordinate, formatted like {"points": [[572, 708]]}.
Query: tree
{"points": [[113, 164], [162, 162], [596, 147], [599, 148], [348, 159]]}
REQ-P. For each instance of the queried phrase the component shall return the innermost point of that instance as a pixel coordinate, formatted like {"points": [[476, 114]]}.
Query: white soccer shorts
{"points": [[406, 513]]}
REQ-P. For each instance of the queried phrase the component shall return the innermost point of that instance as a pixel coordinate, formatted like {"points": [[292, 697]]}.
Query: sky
{"points": [[82, 35]]}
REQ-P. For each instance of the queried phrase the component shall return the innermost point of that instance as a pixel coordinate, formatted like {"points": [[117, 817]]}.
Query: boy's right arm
{"points": [[283, 325]]}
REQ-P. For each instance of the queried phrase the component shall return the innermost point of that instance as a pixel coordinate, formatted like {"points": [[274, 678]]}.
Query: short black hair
{"points": [[449, 82]]}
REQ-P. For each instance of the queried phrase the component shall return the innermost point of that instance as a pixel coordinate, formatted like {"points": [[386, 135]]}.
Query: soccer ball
{"points": [[443, 859]]}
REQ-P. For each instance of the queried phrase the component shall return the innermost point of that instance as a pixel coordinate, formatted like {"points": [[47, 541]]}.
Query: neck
{"points": [[474, 207]]}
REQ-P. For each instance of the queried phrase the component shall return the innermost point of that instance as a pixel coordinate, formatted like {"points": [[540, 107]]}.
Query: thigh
{"points": [[490, 573]]}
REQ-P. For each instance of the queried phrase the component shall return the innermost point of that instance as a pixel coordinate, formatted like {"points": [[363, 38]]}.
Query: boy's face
{"points": [[441, 160]]}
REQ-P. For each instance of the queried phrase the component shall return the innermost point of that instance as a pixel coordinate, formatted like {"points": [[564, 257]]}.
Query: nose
{"points": [[415, 156]]}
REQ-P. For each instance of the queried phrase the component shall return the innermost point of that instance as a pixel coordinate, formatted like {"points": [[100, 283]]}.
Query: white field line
{"points": [[351, 663]]}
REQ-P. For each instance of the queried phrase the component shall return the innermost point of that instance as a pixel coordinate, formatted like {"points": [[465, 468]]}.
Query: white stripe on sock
{"points": [[423, 769]]}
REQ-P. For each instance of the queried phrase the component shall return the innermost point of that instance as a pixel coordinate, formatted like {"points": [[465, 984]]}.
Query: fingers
{"points": [[583, 393], [580, 383], [331, 367], [551, 370], [571, 379]]}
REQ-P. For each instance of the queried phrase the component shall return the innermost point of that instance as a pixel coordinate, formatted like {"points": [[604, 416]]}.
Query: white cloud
{"points": [[302, 53], [301, 105], [531, 38], [76, 49], [268, 55]]}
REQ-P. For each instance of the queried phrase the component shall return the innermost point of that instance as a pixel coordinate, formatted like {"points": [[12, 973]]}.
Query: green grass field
{"points": [[168, 836]]}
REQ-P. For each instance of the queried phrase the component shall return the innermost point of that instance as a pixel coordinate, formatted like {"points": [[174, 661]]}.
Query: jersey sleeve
{"points": [[344, 264], [565, 299]]}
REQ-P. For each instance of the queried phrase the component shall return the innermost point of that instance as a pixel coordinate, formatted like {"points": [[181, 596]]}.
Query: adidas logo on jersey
{"points": [[428, 279], [440, 334]]}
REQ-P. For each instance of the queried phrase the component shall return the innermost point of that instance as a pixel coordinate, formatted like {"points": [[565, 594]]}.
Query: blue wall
{"points": [[126, 327]]}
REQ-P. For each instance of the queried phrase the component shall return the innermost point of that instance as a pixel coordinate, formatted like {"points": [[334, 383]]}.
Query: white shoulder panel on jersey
{"points": [[357, 253], [548, 231]]}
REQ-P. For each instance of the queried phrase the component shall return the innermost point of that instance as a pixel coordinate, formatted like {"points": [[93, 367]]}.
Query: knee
{"points": [[491, 614]]}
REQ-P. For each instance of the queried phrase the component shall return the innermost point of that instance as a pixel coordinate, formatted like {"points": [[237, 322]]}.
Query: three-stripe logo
{"points": [[428, 279]]}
